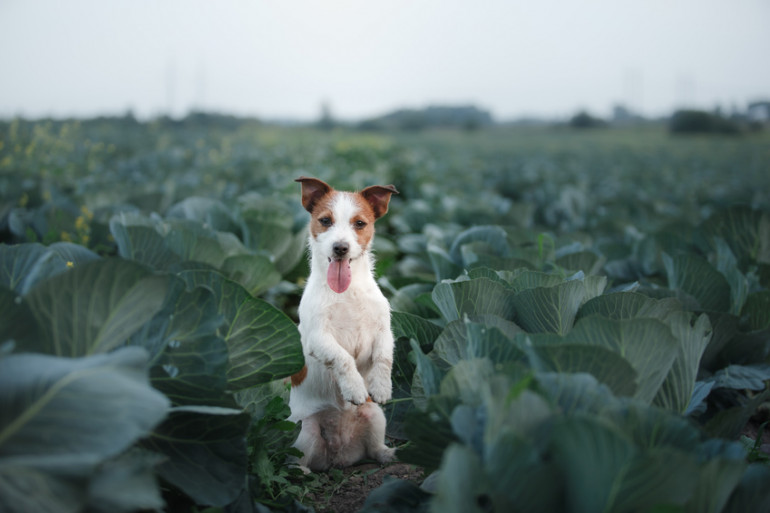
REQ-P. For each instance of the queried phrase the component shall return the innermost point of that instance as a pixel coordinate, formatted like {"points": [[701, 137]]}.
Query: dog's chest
{"points": [[356, 319]]}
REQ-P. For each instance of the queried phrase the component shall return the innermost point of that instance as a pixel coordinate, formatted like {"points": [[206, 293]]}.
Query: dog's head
{"points": [[342, 224]]}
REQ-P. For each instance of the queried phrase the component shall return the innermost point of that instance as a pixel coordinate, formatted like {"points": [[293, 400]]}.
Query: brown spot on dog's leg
{"points": [[298, 378]]}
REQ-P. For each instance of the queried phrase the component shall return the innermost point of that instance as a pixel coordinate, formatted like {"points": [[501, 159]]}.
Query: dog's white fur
{"points": [[346, 337]]}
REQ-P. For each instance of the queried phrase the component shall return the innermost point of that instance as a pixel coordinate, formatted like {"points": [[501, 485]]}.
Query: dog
{"points": [[344, 324]]}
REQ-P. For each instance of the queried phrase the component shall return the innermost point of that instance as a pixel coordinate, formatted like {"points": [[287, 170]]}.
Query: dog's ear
{"points": [[313, 190], [378, 196]]}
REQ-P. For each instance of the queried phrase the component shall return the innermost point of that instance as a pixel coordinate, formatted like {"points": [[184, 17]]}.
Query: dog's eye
{"points": [[325, 221], [359, 224]]}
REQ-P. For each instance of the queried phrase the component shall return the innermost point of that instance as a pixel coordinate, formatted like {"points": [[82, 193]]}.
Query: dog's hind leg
{"points": [[315, 451], [374, 435]]}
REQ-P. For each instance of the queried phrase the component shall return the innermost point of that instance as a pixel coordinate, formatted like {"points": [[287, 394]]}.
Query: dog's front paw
{"points": [[353, 390], [380, 388]]}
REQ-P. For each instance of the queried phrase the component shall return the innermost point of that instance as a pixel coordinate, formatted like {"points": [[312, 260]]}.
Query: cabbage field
{"points": [[582, 317]]}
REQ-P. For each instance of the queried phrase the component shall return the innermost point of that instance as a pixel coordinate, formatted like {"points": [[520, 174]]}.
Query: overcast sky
{"points": [[284, 58]]}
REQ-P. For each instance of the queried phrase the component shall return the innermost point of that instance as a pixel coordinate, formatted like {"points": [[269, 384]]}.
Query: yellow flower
{"points": [[70, 264]]}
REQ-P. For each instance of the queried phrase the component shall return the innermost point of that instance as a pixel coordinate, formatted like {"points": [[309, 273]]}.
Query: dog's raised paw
{"points": [[380, 390], [353, 392]]}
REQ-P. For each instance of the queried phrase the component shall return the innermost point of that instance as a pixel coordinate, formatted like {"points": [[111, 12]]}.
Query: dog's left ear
{"points": [[313, 190], [378, 196]]}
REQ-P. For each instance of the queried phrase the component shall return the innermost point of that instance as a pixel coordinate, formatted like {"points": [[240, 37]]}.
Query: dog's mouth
{"points": [[338, 276]]}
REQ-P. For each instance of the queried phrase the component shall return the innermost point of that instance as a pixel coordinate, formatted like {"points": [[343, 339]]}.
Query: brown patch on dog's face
{"points": [[322, 216], [363, 221]]}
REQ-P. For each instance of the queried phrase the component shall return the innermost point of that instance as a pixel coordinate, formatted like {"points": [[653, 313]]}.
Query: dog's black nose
{"points": [[340, 249]]}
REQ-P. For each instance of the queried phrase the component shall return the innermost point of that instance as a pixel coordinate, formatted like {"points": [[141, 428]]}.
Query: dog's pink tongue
{"points": [[338, 276]]}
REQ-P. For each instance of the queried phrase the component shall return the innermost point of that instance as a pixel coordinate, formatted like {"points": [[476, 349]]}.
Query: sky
{"points": [[284, 59]]}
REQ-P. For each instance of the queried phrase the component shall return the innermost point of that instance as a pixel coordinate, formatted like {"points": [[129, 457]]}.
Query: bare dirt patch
{"points": [[348, 491]]}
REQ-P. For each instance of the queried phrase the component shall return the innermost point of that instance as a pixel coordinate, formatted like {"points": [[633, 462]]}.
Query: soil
{"points": [[349, 493]]}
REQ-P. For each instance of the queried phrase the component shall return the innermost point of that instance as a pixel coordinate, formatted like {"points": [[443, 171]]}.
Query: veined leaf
{"points": [[677, 389], [95, 307], [549, 309], [413, 326], [24, 265], [206, 451], [604, 471], [59, 419], [17, 323], [473, 297], [256, 273], [647, 344], [695, 276], [605, 364], [188, 358], [756, 310], [477, 337], [628, 305], [263, 343], [493, 237]]}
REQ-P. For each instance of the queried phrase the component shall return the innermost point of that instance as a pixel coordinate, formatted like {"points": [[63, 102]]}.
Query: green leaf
{"points": [[16, 320], [209, 212], [549, 309], [677, 389], [525, 279], [143, 244], [726, 263], [24, 265], [473, 297], [586, 261], [477, 337], [263, 343], [493, 237], [628, 305], [95, 307], [719, 475], [59, 419], [741, 377], [647, 344], [752, 492], [413, 326], [256, 273], [729, 422], [604, 471], [747, 232], [206, 453], [696, 277], [443, 266], [462, 486], [756, 310], [126, 483], [605, 364], [429, 376]]}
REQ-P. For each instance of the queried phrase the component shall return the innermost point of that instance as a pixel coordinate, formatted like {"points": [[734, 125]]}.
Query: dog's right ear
{"points": [[313, 190]]}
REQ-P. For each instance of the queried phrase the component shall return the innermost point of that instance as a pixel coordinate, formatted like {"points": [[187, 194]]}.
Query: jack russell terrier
{"points": [[344, 323]]}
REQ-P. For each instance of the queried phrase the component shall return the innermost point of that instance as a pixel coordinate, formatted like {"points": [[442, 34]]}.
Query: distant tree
{"points": [[585, 120], [463, 117], [701, 122]]}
